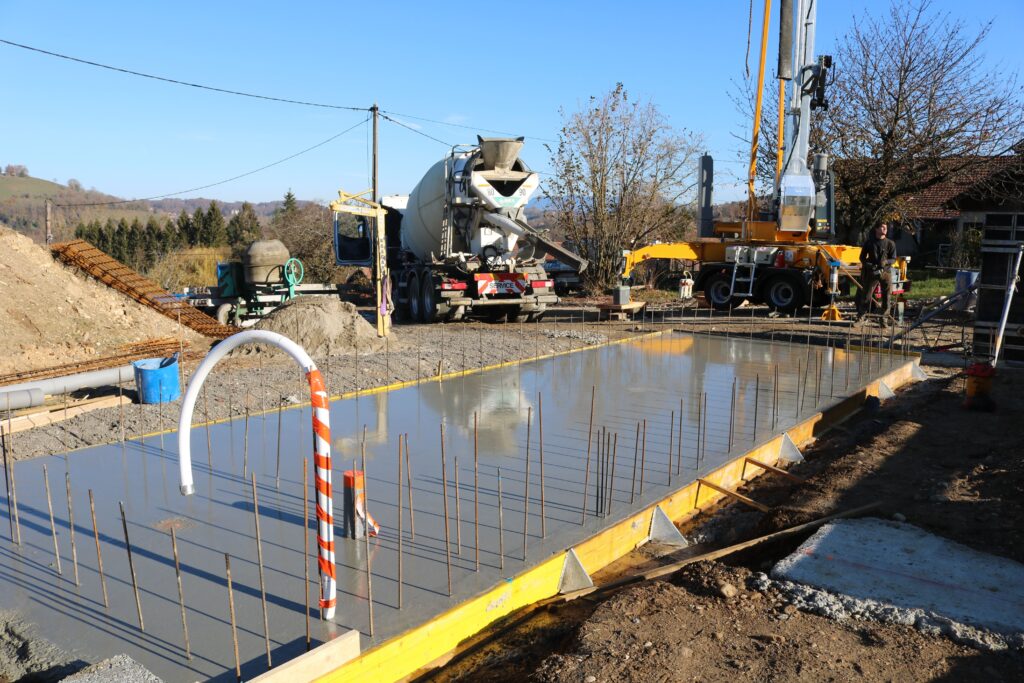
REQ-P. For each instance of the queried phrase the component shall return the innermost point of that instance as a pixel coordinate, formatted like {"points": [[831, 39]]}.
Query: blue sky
{"points": [[506, 66]]}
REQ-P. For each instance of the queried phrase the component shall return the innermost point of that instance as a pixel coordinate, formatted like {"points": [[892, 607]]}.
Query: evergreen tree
{"points": [[213, 227], [244, 226], [186, 229], [198, 228]]}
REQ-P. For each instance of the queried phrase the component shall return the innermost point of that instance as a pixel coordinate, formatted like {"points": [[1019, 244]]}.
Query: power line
{"points": [[221, 182], [180, 82], [418, 132], [461, 125]]}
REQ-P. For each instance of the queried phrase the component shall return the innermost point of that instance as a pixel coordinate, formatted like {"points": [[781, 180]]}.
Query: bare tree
{"points": [[621, 179], [913, 105]]}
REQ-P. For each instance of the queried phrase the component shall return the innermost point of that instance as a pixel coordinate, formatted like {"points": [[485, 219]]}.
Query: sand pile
{"points": [[51, 314], [323, 325]]}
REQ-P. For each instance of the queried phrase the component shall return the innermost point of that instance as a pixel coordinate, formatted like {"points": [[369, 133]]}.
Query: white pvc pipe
{"points": [[321, 444]]}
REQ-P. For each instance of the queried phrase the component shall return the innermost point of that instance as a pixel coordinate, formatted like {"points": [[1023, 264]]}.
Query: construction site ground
{"points": [[921, 455], [947, 470]]}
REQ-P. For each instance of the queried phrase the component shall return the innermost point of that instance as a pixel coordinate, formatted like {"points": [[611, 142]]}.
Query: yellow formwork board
{"points": [[405, 654]]}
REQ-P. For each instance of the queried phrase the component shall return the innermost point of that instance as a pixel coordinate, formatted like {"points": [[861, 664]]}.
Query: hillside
{"points": [[23, 206]]}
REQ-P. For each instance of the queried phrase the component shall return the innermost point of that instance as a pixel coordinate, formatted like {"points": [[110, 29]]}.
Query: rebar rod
{"points": [[53, 526], [131, 567], [259, 560], [590, 437], [99, 553], [181, 594]]}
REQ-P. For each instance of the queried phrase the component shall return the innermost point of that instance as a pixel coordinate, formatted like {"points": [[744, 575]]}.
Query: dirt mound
{"points": [[323, 325], [50, 314]]}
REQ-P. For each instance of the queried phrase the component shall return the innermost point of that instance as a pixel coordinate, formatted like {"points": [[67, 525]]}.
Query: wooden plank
{"points": [[738, 496], [309, 666], [775, 470], [56, 414]]}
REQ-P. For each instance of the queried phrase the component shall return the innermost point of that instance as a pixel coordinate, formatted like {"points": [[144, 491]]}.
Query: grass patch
{"points": [[927, 285]]}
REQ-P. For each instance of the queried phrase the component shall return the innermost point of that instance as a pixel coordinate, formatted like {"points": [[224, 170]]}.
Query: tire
{"points": [[783, 294], [412, 293], [428, 298], [717, 291]]}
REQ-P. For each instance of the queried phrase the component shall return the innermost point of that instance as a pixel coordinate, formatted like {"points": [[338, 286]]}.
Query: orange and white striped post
{"points": [[321, 445]]}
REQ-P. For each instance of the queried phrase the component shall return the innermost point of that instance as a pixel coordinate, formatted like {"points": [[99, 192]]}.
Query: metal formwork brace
{"points": [[574, 577], [664, 531]]}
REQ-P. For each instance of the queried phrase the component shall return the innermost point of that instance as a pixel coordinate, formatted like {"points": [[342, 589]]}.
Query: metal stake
{"points": [[636, 454], [99, 555], [679, 444], [53, 527], [259, 558], [671, 443], [366, 534], [398, 482], [540, 451], [757, 400], [245, 440], [458, 510], [643, 455], [526, 482], [131, 567], [305, 539], [590, 437], [501, 527], [476, 491], [181, 594], [277, 476], [231, 609], [71, 526], [408, 481], [732, 414], [611, 484], [444, 491]]}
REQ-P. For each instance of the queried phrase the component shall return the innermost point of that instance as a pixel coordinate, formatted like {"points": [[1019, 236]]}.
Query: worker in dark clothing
{"points": [[877, 256]]}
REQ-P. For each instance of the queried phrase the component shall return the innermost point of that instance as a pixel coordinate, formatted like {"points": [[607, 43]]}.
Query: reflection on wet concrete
{"points": [[655, 380]]}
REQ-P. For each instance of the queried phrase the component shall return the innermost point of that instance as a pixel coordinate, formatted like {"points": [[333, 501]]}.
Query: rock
{"points": [[686, 653], [648, 645], [718, 635], [590, 679], [789, 609], [899, 517], [727, 590]]}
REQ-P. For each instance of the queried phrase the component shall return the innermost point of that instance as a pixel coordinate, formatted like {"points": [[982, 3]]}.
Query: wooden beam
{"points": [[738, 496], [775, 470]]}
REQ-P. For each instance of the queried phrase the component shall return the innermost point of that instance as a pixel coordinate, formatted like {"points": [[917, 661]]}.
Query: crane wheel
{"points": [[783, 294], [718, 291]]}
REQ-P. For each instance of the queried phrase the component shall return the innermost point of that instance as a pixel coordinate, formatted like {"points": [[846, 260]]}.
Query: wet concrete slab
{"points": [[665, 380]]}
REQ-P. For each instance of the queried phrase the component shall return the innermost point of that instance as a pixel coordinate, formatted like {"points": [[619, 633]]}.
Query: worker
{"points": [[877, 256]]}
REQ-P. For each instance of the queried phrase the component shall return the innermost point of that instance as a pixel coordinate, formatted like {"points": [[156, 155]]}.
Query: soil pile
{"points": [[51, 314], [323, 325]]}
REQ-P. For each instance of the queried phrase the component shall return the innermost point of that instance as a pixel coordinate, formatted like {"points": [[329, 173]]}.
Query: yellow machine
{"points": [[783, 257], [372, 229]]}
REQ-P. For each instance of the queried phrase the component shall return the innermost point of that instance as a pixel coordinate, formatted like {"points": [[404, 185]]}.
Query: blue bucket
{"points": [[156, 379]]}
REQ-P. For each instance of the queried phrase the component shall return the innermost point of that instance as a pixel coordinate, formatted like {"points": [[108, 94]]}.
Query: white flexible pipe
{"points": [[321, 444]]}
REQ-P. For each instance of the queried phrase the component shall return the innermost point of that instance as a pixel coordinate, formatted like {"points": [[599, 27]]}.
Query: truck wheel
{"points": [[431, 308], [783, 294], [412, 293], [717, 291], [225, 313]]}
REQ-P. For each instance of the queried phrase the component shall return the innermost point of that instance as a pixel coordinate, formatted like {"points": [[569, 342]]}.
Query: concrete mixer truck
{"points": [[460, 245]]}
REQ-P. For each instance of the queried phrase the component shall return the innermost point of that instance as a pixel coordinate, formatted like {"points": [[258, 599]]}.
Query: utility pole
{"points": [[49, 222], [376, 114]]}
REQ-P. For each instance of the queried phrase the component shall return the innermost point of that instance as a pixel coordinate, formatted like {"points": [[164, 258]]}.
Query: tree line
{"points": [[141, 245]]}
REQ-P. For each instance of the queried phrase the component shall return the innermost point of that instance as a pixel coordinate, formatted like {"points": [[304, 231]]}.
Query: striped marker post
{"points": [[321, 445]]}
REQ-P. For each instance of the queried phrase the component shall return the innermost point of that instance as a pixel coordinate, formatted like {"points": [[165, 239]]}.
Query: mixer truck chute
{"points": [[460, 243]]}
